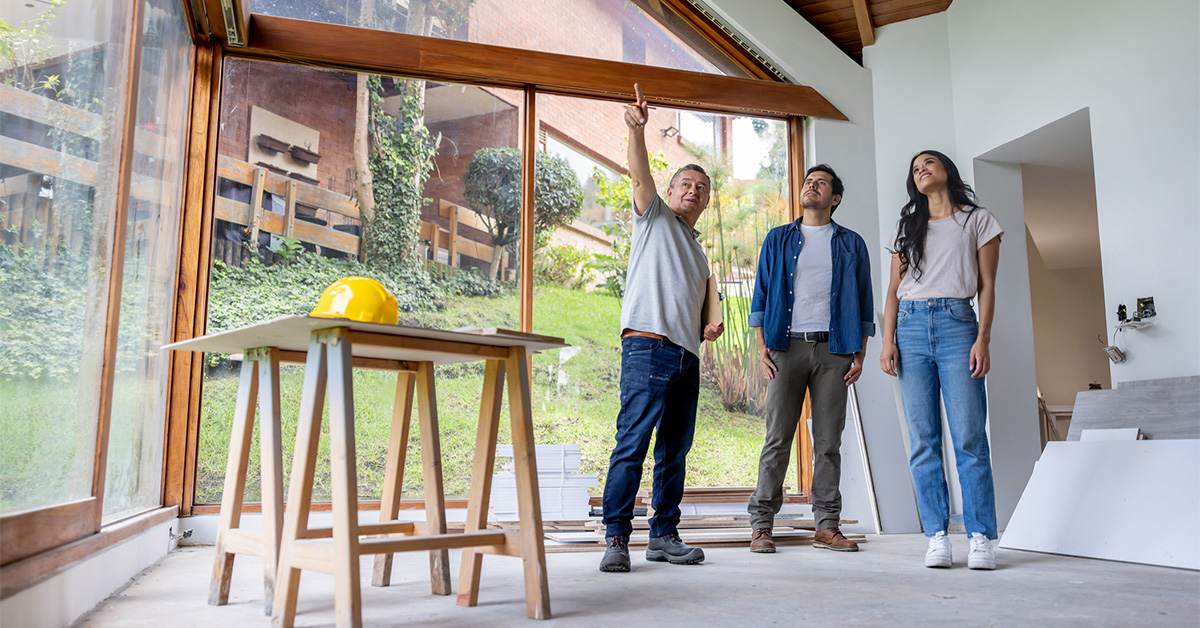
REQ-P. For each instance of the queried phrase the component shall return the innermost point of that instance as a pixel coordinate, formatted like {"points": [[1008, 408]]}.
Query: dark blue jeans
{"points": [[660, 382]]}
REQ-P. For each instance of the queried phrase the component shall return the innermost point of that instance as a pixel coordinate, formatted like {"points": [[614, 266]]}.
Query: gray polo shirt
{"points": [[666, 279]]}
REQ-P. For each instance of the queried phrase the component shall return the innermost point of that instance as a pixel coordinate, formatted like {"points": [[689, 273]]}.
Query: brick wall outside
{"points": [[319, 99], [460, 139]]}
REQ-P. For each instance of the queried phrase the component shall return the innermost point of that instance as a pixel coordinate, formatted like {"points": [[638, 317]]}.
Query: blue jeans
{"points": [[934, 338], [660, 382]]}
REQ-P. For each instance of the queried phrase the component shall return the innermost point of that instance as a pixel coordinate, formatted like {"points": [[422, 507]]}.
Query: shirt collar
{"points": [[695, 234], [795, 224]]}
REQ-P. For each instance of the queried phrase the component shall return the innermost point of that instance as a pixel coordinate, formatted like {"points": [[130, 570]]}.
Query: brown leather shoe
{"points": [[761, 542], [832, 538]]}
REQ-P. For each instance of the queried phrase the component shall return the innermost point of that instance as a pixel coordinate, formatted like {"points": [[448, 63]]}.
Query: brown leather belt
{"points": [[642, 334]]}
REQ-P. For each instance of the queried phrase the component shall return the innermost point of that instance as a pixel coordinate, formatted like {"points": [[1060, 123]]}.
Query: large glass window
{"points": [[133, 478], [413, 183], [63, 72], [634, 31], [579, 272]]}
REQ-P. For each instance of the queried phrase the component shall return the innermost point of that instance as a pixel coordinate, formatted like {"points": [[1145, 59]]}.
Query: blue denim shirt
{"points": [[852, 310]]}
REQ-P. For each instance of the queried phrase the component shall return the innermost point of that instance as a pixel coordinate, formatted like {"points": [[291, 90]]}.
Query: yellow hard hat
{"points": [[358, 299]]}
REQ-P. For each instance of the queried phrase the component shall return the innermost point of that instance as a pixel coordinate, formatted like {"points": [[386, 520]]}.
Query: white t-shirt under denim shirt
{"points": [[950, 267], [813, 280]]}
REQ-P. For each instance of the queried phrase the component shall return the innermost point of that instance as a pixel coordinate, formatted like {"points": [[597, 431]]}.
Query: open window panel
{"points": [[668, 34], [323, 174], [582, 239], [93, 113]]}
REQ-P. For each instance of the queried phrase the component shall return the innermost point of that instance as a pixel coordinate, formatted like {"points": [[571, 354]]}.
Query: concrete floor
{"points": [[885, 584]]}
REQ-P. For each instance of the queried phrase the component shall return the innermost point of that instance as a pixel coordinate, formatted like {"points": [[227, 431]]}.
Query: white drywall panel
{"points": [[1084, 495]]}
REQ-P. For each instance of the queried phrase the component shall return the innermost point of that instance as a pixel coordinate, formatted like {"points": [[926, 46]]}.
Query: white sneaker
{"points": [[939, 553], [981, 555]]}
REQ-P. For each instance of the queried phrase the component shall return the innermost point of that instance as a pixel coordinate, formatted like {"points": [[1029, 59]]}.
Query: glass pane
{"points": [[442, 238], [634, 31], [579, 274], [133, 479], [63, 71]]}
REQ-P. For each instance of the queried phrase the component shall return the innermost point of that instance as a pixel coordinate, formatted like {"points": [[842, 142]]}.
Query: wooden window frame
{"points": [[358, 49]]}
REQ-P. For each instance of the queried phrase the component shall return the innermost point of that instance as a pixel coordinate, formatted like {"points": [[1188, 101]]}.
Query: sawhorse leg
{"points": [[529, 506], [259, 366], [393, 478], [481, 479], [431, 464], [304, 465]]}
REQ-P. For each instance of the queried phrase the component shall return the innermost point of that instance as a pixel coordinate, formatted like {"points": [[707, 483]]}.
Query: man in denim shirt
{"points": [[812, 311], [660, 342]]}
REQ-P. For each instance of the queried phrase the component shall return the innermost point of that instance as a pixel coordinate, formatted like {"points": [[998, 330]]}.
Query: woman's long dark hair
{"points": [[914, 217]]}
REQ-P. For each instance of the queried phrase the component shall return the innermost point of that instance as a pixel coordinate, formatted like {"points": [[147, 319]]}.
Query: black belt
{"points": [[812, 336]]}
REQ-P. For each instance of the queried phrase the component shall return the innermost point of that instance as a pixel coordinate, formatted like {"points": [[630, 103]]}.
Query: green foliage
{"points": [[492, 182], [401, 159], [41, 316], [258, 292], [289, 249], [24, 47], [563, 265], [469, 283]]}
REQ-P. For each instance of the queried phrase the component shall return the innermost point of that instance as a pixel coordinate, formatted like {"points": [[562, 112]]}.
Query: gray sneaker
{"points": [[671, 549], [616, 556]]}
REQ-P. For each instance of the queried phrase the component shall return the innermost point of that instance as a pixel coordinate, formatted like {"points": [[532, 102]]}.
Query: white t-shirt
{"points": [[813, 280], [950, 268]]}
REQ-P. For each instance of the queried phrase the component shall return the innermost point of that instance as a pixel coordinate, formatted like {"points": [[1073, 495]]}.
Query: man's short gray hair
{"points": [[692, 167]]}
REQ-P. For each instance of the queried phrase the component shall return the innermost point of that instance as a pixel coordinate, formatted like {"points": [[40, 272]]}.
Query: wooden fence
{"points": [[304, 199], [29, 219]]}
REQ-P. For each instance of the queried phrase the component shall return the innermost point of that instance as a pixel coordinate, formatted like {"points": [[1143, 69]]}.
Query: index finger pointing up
{"points": [[637, 92]]}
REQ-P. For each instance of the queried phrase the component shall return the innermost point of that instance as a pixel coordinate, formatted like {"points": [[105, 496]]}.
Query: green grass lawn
{"points": [[575, 400]]}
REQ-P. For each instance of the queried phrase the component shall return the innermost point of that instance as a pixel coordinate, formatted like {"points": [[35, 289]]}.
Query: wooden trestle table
{"points": [[330, 348]]}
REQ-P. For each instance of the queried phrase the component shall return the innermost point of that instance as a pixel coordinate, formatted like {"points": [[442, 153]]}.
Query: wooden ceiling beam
{"points": [[441, 59], [866, 30]]}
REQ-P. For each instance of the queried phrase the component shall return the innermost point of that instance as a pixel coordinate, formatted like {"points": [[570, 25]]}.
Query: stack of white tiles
{"points": [[564, 493]]}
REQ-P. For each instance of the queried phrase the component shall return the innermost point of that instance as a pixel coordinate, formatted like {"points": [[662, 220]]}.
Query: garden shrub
{"points": [[41, 315], [563, 265]]}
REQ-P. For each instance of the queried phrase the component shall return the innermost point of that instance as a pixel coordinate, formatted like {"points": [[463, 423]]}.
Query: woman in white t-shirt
{"points": [[944, 254]]}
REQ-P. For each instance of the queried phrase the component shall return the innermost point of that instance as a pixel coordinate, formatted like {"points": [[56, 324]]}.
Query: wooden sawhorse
{"points": [[328, 369]]}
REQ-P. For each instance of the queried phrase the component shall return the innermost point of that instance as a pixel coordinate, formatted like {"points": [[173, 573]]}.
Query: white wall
{"points": [[810, 58], [1021, 64]]}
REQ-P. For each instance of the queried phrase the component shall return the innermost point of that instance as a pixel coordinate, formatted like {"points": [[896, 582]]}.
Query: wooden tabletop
{"points": [[292, 333]]}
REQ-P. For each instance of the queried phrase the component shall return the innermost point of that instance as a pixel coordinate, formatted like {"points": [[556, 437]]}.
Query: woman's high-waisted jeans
{"points": [[934, 337]]}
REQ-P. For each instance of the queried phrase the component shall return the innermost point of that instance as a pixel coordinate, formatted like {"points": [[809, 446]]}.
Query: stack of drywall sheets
{"points": [[563, 492], [1089, 495]]}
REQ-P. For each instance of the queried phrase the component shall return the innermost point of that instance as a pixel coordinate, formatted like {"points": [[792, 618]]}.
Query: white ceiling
{"points": [[1059, 190]]}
